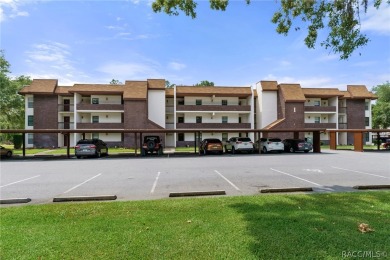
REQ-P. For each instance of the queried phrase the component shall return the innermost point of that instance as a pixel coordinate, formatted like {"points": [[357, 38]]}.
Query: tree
{"points": [[205, 83], [168, 84], [342, 18], [11, 103], [381, 110], [115, 82]]}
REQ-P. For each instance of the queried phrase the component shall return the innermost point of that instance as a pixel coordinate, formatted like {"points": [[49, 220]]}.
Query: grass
{"points": [[316, 226], [351, 147]]}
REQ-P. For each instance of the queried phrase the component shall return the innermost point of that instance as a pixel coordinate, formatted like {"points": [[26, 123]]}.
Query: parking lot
{"points": [[142, 178]]}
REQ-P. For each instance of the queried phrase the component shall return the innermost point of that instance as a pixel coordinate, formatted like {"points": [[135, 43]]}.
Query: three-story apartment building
{"points": [[149, 105]]}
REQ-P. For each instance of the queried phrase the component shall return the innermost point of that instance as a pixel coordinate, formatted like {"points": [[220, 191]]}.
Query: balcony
{"points": [[213, 126], [169, 109], [169, 126], [321, 125], [343, 126], [66, 108], [342, 110], [320, 109], [212, 108], [85, 106], [65, 125], [100, 125]]}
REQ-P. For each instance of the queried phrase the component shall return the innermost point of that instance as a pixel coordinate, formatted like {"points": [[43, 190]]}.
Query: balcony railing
{"points": [[213, 125], [343, 110], [343, 126], [100, 125], [169, 126], [84, 106], [320, 109], [65, 108], [169, 109], [321, 125], [65, 125], [212, 108]]}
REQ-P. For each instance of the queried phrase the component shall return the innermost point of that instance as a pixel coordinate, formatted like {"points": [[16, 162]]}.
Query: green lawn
{"points": [[316, 226]]}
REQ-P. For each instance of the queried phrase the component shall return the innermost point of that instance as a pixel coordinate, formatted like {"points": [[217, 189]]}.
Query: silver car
{"points": [[90, 147], [239, 144], [269, 145]]}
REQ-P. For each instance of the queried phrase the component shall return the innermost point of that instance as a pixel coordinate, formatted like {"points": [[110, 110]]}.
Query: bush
{"points": [[18, 140]]}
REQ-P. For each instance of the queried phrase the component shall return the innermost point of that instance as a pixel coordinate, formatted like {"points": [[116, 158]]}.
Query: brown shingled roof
{"points": [[63, 91], [40, 86], [96, 89], [169, 92], [135, 90], [292, 93], [274, 124], [322, 92], [360, 92], [156, 84], [269, 85], [213, 90]]}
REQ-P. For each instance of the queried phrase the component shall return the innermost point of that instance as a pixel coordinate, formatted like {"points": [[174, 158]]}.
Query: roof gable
{"points": [[40, 86], [292, 92]]}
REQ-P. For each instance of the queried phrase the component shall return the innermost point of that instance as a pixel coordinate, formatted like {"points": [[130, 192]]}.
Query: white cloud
{"points": [[10, 9], [176, 66], [377, 20]]}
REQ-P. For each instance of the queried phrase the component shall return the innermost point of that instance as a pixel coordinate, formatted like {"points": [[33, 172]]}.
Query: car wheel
{"points": [[233, 150], [9, 154], [78, 157], [143, 153], [264, 150], [204, 152], [160, 151], [98, 154], [292, 150], [306, 151]]}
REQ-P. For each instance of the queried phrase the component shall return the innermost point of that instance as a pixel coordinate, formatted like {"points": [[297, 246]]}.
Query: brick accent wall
{"points": [[45, 117], [136, 117], [355, 116]]}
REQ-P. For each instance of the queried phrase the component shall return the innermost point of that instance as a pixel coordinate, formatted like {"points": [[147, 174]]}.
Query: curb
{"points": [[371, 187], [274, 190], [85, 198], [14, 201], [197, 193]]}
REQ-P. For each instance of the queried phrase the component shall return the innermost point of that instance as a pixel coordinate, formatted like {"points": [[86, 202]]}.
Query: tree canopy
{"points": [[205, 83], [341, 18], [381, 110], [11, 103], [115, 82]]}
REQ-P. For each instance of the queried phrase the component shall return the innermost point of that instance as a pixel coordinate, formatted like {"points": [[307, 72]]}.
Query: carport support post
{"points": [[24, 144], [316, 142], [195, 141], [68, 144], [358, 141], [332, 142], [136, 144], [378, 143], [296, 135], [140, 142]]}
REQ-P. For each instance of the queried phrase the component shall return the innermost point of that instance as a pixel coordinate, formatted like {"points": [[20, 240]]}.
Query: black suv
{"points": [[90, 147], [152, 143], [294, 145]]}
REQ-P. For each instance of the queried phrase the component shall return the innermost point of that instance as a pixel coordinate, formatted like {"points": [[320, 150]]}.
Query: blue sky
{"points": [[96, 41]]}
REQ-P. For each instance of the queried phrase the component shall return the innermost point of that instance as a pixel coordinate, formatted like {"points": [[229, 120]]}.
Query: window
{"points": [[224, 137], [367, 137], [367, 104], [198, 102], [180, 119], [224, 119], [198, 119], [317, 119], [95, 101], [317, 103], [180, 137], [224, 102], [30, 102], [30, 120], [95, 119], [30, 138], [95, 135], [180, 102], [367, 121]]}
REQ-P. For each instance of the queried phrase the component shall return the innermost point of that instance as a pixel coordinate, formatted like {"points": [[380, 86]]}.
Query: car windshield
{"points": [[244, 139], [213, 141], [152, 138], [275, 140], [85, 142]]}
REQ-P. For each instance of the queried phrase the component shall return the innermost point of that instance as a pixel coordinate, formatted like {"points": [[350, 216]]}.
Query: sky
{"points": [[97, 41]]}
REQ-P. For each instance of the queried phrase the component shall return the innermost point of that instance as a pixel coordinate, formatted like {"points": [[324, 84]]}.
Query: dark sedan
{"points": [[296, 145], [90, 147]]}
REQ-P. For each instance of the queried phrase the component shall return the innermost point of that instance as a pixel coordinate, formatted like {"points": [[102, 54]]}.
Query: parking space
{"points": [[156, 177]]}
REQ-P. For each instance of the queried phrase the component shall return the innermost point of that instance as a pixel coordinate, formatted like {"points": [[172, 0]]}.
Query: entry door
{"points": [[66, 122], [66, 104]]}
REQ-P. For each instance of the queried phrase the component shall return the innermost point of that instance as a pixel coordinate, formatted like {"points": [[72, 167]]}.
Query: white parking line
{"points": [[82, 183], [20, 181], [296, 177], [155, 183], [231, 183], [361, 172]]}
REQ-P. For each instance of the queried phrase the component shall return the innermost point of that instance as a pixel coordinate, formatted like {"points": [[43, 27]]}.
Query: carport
{"points": [[140, 132], [357, 136]]}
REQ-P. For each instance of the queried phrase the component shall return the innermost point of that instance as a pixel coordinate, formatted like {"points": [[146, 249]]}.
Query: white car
{"points": [[239, 144], [270, 144]]}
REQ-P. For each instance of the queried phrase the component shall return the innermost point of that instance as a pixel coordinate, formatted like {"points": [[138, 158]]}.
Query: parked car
{"points": [[211, 145], [239, 144], [152, 144], [5, 152], [293, 145], [90, 147], [386, 144], [266, 145]]}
